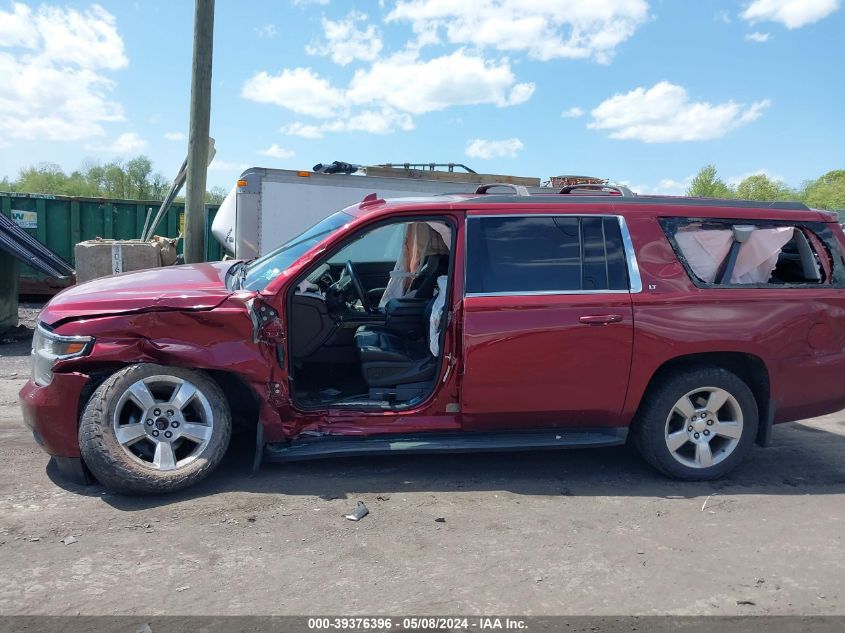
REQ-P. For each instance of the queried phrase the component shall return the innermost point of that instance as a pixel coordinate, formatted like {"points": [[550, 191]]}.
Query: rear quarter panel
{"points": [[799, 333]]}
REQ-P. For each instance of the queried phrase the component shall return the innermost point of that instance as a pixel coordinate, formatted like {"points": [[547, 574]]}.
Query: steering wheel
{"points": [[359, 287]]}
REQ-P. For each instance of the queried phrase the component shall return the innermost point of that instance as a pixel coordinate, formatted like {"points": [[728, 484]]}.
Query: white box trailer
{"points": [[271, 206]]}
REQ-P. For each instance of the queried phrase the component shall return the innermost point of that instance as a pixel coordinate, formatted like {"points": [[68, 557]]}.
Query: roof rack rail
{"points": [[603, 188], [518, 190]]}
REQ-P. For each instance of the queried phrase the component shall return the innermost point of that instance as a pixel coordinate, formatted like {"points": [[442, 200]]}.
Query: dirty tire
{"points": [[109, 461], [649, 431]]}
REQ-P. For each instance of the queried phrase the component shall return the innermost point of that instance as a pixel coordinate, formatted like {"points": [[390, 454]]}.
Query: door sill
{"points": [[454, 442]]}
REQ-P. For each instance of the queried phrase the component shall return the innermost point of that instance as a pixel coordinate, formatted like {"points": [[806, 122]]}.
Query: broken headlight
{"points": [[47, 348]]}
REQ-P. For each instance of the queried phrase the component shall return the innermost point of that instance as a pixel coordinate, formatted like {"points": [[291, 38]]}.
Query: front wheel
{"points": [[697, 425], [151, 429]]}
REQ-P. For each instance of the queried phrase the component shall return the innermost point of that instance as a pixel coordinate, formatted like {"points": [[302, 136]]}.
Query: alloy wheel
{"points": [[704, 427], [164, 422]]}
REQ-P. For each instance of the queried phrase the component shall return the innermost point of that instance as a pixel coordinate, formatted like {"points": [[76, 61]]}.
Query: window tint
{"points": [[545, 253]]}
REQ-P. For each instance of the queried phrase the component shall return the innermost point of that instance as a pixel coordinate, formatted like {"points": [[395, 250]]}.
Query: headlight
{"points": [[47, 348]]}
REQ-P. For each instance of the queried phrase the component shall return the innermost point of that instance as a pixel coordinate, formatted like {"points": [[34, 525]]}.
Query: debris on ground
{"points": [[359, 513], [383, 498], [183, 588], [750, 603], [70, 540], [440, 520]]}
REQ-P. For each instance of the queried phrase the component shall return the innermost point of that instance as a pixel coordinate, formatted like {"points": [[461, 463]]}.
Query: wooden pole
{"points": [[199, 132]]}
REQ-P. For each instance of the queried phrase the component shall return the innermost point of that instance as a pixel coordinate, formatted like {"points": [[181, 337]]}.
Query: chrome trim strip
{"points": [[555, 214], [545, 293], [635, 282]]}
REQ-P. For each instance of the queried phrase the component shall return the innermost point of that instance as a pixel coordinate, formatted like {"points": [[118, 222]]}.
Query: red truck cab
{"points": [[488, 321]]}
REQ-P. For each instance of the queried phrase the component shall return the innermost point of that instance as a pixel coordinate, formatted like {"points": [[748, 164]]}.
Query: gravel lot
{"points": [[581, 532]]}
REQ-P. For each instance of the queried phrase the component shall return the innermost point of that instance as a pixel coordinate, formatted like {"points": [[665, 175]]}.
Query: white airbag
{"points": [[437, 315]]}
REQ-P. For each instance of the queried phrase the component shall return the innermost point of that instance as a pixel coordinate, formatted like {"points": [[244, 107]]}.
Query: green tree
{"points": [[159, 186], [828, 192], [216, 195], [761, 187], [42, 178], [707, 184], [134, 179], [138, 172], [115, 180]]}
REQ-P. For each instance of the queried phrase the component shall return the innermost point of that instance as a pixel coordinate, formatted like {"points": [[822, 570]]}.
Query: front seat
{"points": [[396, 366], [424, 279]]}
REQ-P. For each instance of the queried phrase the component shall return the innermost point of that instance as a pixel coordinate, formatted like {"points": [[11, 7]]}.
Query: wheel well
{"points": [[244, 403], [750, 368]]}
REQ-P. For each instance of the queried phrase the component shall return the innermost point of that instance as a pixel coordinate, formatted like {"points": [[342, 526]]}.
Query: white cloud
{"points": [[268, 31], [724, 16], [793, 14], [758, 37], [417, 87], [664, 113], [300, 90], [345, 42], [303, 3], [222, 165], [302, 129], [484, 149], [275, 151], [385, 97], [552, 29], [53, 83], [664, 187], [126, 143], [384, 121], [175, 136], [572, 113]]}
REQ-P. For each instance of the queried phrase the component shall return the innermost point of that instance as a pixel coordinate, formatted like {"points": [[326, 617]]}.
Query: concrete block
{"points": [[100, 258]]}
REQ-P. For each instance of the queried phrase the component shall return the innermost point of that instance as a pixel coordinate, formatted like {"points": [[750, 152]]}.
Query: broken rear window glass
{"points": [[723, 253]]}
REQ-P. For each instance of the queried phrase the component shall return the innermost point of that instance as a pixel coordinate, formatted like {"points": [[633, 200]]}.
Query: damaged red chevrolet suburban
{"points": [[476, 322]]}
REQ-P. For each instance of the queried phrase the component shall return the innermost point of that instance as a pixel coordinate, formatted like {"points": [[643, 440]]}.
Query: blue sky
{"points": [[639, 91]]}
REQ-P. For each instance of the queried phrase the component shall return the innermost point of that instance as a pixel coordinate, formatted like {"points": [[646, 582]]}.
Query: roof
{"points": [[606, 200]]}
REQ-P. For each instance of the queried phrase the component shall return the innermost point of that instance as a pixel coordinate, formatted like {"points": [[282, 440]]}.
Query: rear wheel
{"points": [[697, 425], [150, 428]]}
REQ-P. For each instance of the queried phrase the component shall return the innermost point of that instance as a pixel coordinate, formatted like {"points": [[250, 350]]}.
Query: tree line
{"points": [[826, 192], [135, 179], [130, 180]]}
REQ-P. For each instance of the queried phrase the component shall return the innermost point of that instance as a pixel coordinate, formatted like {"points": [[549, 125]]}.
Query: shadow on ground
{"points": [[802, 460]]}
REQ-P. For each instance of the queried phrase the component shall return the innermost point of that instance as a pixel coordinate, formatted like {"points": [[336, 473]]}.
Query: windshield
{"points": [[265, 269]]}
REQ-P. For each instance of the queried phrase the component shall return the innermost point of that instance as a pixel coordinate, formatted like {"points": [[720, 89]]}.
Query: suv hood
{"points": [[188, 287]]}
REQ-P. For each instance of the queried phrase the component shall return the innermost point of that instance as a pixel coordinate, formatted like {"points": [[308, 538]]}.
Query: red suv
{"points": [[494, 321]]}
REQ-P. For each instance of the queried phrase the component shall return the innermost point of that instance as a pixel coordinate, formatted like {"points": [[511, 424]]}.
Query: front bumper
{"points": [[51, 413]]}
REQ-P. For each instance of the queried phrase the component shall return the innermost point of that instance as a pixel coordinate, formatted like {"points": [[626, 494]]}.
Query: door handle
{"points": [[600, 319]]}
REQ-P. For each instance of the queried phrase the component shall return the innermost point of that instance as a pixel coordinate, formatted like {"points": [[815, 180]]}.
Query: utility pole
{"points": [[199, 131]]}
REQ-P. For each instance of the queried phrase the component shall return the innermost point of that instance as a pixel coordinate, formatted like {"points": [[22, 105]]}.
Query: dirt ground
{"points": [[580, 532]]}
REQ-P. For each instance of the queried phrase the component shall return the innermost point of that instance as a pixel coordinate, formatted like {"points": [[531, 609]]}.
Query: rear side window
{"points": [[720, 252], [524, 254]]}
